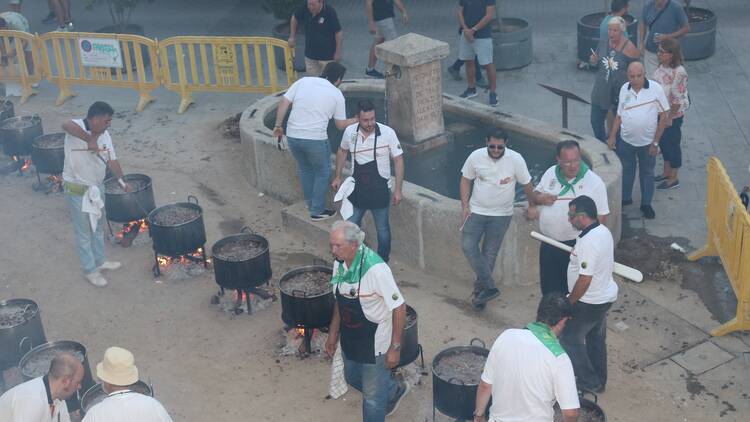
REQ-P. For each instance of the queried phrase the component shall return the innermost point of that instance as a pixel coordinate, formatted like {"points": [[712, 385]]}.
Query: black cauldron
{"points": [[246, 273], [124, 207], [177, 239], [20, 329], [410, 348], [307, 311], [591, 407], [48, 153], [19, 132], [450, 396]]}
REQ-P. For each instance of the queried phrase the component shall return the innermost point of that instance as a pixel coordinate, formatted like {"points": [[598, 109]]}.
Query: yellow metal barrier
{"points": [[23, 69], [61, 55], [224, 64], [728, 238]]}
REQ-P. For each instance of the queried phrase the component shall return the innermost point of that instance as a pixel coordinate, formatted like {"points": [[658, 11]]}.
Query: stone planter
{"points": [[700, 42], [281, 31], [511, 44], [588, 33]]}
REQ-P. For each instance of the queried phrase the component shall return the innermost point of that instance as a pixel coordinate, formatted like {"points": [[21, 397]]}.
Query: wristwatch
{"points": [[396, 346]]}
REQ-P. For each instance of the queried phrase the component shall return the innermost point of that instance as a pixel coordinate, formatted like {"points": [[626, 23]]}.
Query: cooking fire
{"points": [[129, 232], [182, 266]]}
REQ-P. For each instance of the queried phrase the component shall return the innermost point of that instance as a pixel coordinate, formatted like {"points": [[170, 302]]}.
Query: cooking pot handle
{"points": [[194, 198], [584, 391], [303, 294], [246, 229], [471, 343], [20, 344]]}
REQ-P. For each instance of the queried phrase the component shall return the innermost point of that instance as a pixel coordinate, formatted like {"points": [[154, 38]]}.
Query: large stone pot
{"points": [[511, 44], [700, 42], [588, 33], [281, 31]]}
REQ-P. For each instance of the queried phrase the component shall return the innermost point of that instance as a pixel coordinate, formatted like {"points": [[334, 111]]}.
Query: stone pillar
{"points": [[414, 88]]}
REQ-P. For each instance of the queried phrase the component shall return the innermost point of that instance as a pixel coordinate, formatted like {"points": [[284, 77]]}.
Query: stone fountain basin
{"points": [[424, 225]]}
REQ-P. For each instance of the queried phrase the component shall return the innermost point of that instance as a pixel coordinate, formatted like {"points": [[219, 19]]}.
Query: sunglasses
{"points": [[498, 147]]}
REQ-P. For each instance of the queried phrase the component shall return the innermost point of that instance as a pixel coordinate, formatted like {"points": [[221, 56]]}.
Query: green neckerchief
{"points": [[365, 259], [564, 182], [544, 334]]}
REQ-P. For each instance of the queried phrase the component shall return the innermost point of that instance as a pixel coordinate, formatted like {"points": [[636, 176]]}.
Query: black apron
{"points": [[370, 188], [357, 332]]}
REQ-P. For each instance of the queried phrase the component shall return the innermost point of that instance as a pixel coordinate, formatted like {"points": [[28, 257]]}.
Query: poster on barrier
{"points": [[100, 52]]}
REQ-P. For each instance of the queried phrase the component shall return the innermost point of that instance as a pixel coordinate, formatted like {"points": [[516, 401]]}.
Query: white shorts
{"points": [[650, 63], [481, 47], [385, 29]]}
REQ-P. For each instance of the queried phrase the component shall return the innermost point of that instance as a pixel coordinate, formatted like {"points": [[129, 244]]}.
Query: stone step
{"points": [[296, 219]]}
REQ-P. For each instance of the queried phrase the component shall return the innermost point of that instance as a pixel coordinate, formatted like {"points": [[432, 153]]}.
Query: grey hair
{"points": [[64, 365], [619, 21], [352, 232]]}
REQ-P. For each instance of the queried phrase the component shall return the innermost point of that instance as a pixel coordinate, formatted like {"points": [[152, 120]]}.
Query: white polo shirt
{"points": [[494, 181], [127, 407], [553, 219], [527, 379], [315, 101], [84, 167], [29, 402], [379, 296], [388, 146], [639, 112], [593, 255]]}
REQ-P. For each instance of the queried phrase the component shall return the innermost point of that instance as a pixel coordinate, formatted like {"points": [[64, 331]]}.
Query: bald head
{"points": [[65, 375], [636, 75]]}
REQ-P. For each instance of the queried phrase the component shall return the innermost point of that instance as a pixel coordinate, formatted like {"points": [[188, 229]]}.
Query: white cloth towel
{"points": [[93, 204], [338, 383], [346, 189]]}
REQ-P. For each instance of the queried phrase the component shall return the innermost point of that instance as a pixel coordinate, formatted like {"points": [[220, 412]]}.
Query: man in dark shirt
{"points": [[380, 16], [323, 35], [661, 20], [474, 17]]}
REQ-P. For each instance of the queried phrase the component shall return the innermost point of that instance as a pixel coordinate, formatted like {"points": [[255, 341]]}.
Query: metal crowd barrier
{"points": [[25, 69], [728, 238]]}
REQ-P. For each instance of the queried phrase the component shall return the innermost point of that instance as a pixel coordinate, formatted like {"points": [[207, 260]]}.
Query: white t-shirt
{"points": [[527, 379], [83, 167], [315, 101], [593, 255], [379, 296], [553, 219], [388, 146], [640, 112], [28, 402], [127, 407], [494, 181]]}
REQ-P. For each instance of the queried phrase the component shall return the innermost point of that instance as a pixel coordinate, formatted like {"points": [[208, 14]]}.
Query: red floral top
{"points": [[674, 82]]}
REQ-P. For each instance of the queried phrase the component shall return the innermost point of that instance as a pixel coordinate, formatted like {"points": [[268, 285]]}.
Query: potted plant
{"points": [[511, 41], [283, 11], [120, 11], [700, 42]]}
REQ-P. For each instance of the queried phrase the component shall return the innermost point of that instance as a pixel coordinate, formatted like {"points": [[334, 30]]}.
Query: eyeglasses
{"points": [[574, 214], [660, 51], [498, 147]]}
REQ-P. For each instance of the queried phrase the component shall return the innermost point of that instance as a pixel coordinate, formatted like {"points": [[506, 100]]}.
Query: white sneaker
{"points": [[110, 265], [96, 279]]}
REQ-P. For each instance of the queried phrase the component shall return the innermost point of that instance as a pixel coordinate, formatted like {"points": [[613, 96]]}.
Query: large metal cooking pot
{"points": [[96, 394], [591, 407], [6, 110], [180, 239], [36, 362], [246, 273], [410, 348], [124, 207], [48, 153], [17, 134], [20, 330], [450, 396], [300, 310]]}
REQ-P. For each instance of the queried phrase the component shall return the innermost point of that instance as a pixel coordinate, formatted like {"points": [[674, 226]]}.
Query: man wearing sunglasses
{"points": [[488, 190], [592, 292]]}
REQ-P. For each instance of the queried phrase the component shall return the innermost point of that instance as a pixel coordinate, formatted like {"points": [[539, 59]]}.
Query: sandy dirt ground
{"points": [[209, 365]]}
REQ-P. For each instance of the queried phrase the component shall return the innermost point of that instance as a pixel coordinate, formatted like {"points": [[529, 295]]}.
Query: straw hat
{"points": [[118, 367]]}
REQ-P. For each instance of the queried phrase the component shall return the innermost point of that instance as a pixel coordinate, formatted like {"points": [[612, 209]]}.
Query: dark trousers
{"points": [[585, 340], [459, 63], [599, 122], [553, 268]]}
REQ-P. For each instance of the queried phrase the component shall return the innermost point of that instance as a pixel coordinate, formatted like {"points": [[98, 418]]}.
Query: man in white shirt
{"points": [[369, 317], [642, 115], [88, 153], [373, 146], [314, 102], [592, 292], [488, 190], [117, 372], [527, 370], [43, 399], [561, 183]]}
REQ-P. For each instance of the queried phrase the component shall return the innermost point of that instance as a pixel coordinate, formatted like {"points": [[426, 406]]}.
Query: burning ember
{"points": [[16, 163], [25, 163], [183, 266], [130, 231], [50, 184], [303, 342], [237, 302]]}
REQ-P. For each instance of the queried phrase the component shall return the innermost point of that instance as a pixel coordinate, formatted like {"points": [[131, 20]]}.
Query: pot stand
{"points": [[189, 257], [262, 292], [51, 186]]}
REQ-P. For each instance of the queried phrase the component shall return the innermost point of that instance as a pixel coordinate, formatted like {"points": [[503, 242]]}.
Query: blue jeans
{"points": [[598, 122], [585, 340], [490, 230], [382, 226], [314, 170], [375, 383], [631, 156], [90, 244]]}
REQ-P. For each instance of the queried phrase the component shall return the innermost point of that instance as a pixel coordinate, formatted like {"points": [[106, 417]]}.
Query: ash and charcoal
{"points": [[12, 316], [174, 216], [461, 367], [230, 303], [136, 185], [239, 250], [584, 415], [307, 284], [294, 343], [181, 269], [50, 141], [38, 364]]}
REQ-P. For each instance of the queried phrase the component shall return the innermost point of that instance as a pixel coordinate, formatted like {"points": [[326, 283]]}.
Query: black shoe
{"points": [[660, 178], [50, 18], [374, 74], [484, 296], [325, 215], [456, 73], [648, 212], [469, 93], [665, 185], [626, 202], [403, 388]]}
